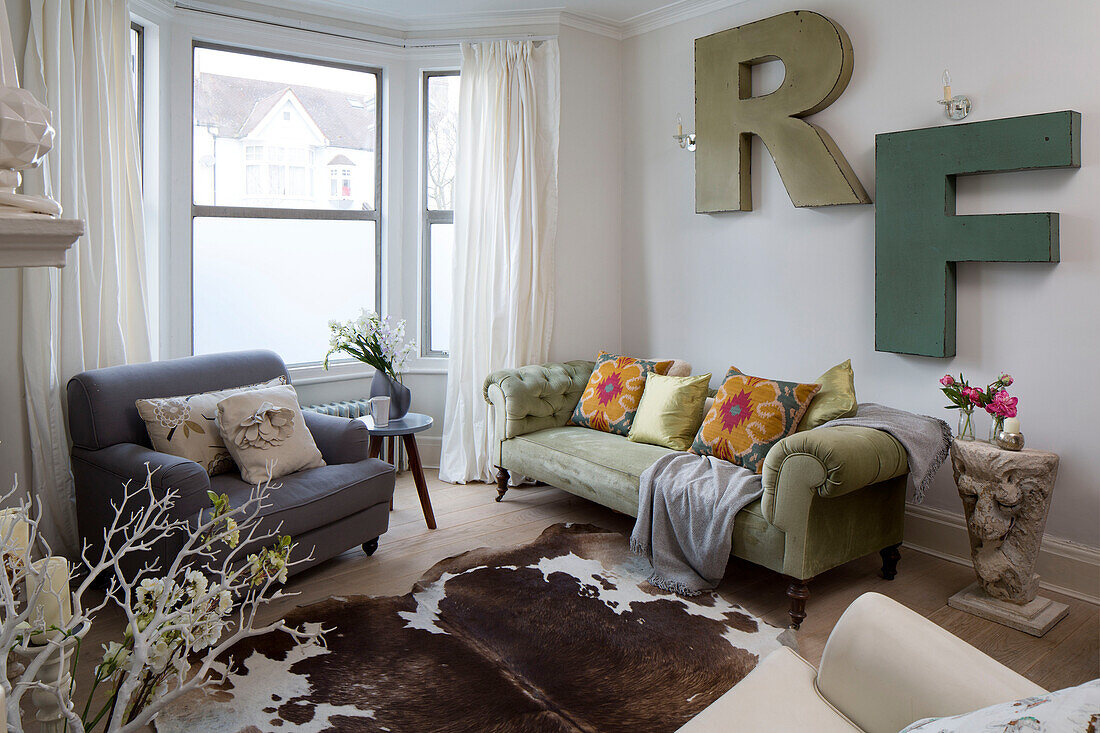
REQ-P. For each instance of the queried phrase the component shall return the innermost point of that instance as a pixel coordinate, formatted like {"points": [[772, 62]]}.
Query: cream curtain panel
{"points": [[92, 313], [506, 208]]}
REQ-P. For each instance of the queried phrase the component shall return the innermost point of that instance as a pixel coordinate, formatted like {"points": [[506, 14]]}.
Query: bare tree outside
{"points": [[442, 141]]}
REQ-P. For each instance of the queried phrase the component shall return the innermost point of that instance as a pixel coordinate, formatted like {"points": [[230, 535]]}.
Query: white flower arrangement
{"points": [[373, 340], [179, 619]]}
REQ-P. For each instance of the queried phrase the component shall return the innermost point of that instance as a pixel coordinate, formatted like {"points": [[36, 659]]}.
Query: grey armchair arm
{"points": [[340, 439], [101, 477]]}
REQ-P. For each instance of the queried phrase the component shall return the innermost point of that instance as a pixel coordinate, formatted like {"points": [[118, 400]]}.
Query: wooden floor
{"points": [[468, 518]]}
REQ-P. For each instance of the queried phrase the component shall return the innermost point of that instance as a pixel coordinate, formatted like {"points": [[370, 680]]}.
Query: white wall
{"points": [[589, 271], [788, 292]]}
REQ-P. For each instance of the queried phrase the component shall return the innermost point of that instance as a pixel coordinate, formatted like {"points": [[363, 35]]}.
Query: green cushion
{"points": [[836, 399], [670, 411]]}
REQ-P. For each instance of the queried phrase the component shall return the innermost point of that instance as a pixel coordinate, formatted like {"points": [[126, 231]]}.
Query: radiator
{"points": [[392, 450], [346, 408]]}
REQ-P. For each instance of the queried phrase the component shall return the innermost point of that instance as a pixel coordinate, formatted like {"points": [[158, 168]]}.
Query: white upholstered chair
{"points": [[884, 667]]}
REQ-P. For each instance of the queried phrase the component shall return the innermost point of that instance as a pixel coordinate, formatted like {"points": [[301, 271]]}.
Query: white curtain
{"points": [[92, 313], [506, 208]]}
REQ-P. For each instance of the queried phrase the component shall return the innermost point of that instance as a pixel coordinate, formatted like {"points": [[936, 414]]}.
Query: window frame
{"points": [[198, 211], [139, 88], [428, 217]]}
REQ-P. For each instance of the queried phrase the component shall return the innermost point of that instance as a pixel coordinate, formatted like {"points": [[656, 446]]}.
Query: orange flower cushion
{"points": [[749, 416], [614, 390]]}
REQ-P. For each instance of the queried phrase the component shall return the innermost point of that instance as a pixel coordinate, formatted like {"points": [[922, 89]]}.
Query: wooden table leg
{"points": [[393, 453], [418, 478], [375, 449]]}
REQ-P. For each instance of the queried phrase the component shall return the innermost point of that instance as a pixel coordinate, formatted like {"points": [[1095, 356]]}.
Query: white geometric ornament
{"points": [[26, 135]]}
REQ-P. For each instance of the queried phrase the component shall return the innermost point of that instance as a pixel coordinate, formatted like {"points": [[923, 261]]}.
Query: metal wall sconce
{"points": [[686, 140], [957, 107]]}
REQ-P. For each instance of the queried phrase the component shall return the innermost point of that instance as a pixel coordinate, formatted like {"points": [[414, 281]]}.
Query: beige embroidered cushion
{"points": [[266, 434], [184, 426]]}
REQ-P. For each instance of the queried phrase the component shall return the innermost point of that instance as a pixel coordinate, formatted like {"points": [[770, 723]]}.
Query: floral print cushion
{"points": [[610, 400], [749, 416], [184, 426], [266, 434], [1072, 710]]}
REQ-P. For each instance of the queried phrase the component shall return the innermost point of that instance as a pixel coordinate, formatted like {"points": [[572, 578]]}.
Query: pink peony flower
{"points": [[947, 380], [976, 396], [1002, 404], [1006, 379]]}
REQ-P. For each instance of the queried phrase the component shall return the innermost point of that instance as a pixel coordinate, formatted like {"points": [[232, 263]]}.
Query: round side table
{"points": [[406, 428]]}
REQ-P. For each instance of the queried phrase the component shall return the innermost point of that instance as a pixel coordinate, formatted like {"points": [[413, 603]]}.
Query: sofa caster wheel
{"points": [[370, 547]]}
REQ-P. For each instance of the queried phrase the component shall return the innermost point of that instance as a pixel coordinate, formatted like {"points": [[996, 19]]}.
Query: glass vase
{"points": [[966, 424], [997, 426]]}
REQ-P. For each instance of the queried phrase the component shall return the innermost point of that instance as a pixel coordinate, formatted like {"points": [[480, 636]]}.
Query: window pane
{"points": [[251, 108], [442, 257], [276, 283], [442, 141]]}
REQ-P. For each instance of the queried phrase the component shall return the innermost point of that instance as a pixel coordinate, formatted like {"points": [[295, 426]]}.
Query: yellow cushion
{"points": [[836, 399], [670, 411]]}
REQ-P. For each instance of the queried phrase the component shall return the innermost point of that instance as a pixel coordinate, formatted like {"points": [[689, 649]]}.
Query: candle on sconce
{"points": [[946, 86], [54, 606], [1011, 425], [16, 530]]}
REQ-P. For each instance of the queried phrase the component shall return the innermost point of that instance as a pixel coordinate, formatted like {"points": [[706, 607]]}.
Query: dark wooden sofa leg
{"points": [[798, 593], [890, 557], [502, 482]]}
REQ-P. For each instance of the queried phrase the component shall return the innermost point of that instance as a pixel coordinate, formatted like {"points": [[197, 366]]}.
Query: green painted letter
{"points": [[918, 237], [817, 56]]}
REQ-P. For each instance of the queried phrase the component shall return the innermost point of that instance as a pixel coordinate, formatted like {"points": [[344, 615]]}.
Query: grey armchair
{"points": [[326, 510]]}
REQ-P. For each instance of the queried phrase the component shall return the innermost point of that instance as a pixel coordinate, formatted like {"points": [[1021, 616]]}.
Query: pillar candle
{"points": [[54, 606], [1011, 425], [14, 527]]}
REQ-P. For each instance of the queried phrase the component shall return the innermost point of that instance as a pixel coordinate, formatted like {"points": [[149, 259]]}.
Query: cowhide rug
{"points": [[563, 634]]}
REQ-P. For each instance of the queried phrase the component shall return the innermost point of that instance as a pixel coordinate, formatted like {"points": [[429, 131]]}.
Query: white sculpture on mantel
{"points": [[26, 135]]}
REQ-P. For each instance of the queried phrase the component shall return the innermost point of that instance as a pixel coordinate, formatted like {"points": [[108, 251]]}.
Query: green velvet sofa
{"points": [[831, 494]]}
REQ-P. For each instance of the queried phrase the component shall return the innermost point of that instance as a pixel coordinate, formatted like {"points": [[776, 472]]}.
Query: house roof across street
{"points": [[236, 106]]}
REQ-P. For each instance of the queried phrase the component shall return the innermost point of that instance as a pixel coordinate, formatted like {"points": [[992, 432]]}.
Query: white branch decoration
{"points": [[179, 620]]}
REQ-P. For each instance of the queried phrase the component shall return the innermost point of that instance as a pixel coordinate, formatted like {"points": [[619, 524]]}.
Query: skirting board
{"points": [[430, 447], [1063, 567]]}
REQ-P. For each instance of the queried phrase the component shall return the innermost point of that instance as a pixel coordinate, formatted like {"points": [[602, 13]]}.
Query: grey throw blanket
{"points": [[927, 440], [686, 506]]}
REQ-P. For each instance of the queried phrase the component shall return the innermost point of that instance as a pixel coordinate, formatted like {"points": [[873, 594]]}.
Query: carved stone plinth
{"points": [[1006, 496], [1035, 618]]}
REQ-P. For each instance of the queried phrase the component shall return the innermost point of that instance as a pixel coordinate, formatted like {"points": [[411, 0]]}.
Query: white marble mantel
{"points": [[37, 241]]}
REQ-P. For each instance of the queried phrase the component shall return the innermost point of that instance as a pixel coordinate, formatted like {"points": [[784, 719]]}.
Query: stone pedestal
{"points": [[1035, 618], [1006, 496]]}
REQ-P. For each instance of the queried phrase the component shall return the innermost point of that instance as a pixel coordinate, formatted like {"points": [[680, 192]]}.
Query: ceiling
{"points": [[616, 11]]}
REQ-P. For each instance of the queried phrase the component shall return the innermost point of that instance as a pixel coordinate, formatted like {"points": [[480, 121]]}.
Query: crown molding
{"points": [[672, 13], [595, 24], [338, 17]]}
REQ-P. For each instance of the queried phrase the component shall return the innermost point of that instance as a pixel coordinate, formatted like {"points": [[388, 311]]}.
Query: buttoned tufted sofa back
{"points": [[536, 397]]}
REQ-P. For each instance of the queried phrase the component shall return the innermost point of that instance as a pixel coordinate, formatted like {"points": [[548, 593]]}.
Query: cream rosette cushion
{"points": [[185, 426], [266, 433]]}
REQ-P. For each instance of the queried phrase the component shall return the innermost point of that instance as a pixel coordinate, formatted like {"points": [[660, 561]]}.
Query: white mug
{"points": [[380, 411]]}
